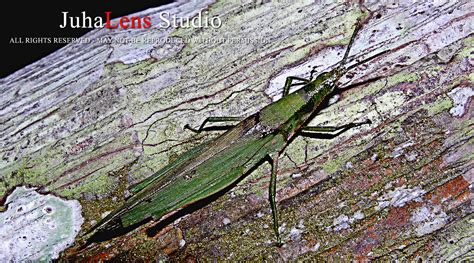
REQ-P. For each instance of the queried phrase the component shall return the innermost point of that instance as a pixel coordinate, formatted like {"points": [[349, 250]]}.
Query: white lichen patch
{"points": [[400, 149], [460, 97], [226, 221], [374, 157], [428, 219], [37, 227], [282, 228], [411, 156], [295, 233], [316, 247], [296, 175], [357, 216], [399, 197], [182, 243], [343, 221], [349, 165]]}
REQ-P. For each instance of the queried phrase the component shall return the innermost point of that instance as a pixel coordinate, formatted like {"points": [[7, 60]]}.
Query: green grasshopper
{"points": [[215, 165]]}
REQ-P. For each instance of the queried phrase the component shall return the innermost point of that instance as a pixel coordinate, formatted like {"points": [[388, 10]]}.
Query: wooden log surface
{"points": [[91, 119]]}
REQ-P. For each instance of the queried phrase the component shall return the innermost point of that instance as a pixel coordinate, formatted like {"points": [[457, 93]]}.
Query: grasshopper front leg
{"points": [[289, 83], [286, 90]]}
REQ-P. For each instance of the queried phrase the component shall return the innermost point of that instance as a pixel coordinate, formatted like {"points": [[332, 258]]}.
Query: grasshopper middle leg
{"points": [[212, 119]]}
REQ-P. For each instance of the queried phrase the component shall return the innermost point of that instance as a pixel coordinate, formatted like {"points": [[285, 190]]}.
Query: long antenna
{"points": [[349, 46]]}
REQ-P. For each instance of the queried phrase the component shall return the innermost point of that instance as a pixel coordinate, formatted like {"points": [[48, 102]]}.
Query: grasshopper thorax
{"points": [[324, 84]]}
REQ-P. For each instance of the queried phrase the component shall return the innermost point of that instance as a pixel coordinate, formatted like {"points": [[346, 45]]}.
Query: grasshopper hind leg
{"points": [[329, 130], [271, 196]]}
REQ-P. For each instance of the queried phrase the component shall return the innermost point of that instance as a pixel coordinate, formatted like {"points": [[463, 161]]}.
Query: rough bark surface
{"points": [[94, 118]]}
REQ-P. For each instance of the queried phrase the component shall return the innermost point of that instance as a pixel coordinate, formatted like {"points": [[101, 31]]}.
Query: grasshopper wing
{"points": [[209, 177], [170, 168]]}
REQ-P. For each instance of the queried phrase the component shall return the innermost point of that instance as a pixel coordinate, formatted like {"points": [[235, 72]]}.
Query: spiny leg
{"points": [[212, 119], [328, 129], [272, 195], [311, 74], [289, 83]]}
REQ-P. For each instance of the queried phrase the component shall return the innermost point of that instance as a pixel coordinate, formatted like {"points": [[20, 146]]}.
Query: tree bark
{"points": [[92, 119]]}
